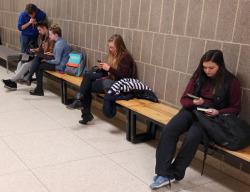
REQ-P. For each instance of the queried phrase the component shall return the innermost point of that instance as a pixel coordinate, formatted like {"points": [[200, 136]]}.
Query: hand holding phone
{"points": [[203, 109]]}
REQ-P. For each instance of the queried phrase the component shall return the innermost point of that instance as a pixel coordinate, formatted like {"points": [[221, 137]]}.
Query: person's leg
{"points": [[86, 84], [34, 67], [19, 65], [85, 89], [187, 151], [21, 70], [166, 148], [24, 43], [39, 78], [96, 87]]}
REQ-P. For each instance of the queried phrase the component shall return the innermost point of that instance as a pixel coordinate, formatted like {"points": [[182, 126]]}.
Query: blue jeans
{"points": [[25, 41]]}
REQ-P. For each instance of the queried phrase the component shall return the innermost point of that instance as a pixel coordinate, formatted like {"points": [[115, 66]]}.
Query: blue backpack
{"points": [[76, 63]]}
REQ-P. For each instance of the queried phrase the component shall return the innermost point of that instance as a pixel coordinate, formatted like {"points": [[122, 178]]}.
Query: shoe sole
{"points": [[70, 108], [87, 121], [10, 88], [24, 83], [163, 184]]}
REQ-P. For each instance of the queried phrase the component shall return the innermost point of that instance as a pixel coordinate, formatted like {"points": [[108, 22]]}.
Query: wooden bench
{"points": [[156, 114], [8, 55]]}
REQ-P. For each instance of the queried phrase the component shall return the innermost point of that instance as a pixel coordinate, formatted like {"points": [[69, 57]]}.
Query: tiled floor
{"points": [[44, 148]]}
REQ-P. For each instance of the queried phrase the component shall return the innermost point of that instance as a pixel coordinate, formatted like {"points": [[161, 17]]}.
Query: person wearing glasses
{"points": [[120, 64]]}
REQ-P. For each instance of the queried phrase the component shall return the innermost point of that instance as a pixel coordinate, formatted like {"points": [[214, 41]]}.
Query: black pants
{"points": [[38, 67], [90, 84], [39, 73], [165, 152]]}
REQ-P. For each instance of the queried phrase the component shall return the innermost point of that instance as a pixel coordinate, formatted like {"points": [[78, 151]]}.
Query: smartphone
{"points": [[99, 61], [203, 109], [193, 96]]}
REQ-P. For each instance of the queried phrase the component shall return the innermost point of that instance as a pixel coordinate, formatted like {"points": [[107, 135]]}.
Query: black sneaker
{"points": [[11, 86], [37, 92], [86, 118], [6, 82]]}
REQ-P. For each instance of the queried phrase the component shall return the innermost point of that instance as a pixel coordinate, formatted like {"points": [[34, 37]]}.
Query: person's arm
{"points": [[124, 67], [51, 45], [58, 56], [26, 25], [186, 101], [21, 22], [234, 98]]}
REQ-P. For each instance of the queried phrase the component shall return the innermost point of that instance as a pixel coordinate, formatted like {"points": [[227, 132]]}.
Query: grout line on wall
{"points": [[163, 47], [139, 14], [165, 89], [175, 51], [149, 16], [238, 61], [112, 9], [96, 14], [104, 11], [203, 2], [235, 20], [151, 51], [177, 93], [217, 20], [129, 14], [173, 18], [161, 16], [205, 46], [120, 14], [186, 18], [190, 43]]}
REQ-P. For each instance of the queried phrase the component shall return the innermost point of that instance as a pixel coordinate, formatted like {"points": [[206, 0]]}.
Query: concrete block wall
{"points": [[166, 37]]}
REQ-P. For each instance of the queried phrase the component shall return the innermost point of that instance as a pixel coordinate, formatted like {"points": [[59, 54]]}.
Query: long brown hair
{"points": [[114, 59], [216, 56]]}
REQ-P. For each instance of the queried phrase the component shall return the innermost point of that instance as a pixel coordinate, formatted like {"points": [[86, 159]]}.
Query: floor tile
{"points": [[11, 103], [49, 147], [17, 122], [21, 182], [224, 185], [64, 116], [107, 136], [9, 162], [91, 175]]}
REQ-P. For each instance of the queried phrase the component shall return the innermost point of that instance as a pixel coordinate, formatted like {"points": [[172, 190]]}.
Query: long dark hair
{"points": [[216, 56]]}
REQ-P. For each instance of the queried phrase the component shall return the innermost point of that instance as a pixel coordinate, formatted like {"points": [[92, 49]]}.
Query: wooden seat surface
{"points": [[243, 153], [73, 79]]}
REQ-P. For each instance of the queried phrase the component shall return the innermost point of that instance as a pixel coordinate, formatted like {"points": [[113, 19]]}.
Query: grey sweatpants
{"points": [[22, 68]]}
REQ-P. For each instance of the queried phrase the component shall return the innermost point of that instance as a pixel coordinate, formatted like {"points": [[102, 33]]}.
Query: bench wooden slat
{"points": [[72, 79], [242, 154], [54, 73]]}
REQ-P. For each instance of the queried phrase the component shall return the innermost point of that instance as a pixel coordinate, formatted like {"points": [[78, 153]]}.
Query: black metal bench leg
{"points": [[133, 127], [128, 124], [64, 92]]}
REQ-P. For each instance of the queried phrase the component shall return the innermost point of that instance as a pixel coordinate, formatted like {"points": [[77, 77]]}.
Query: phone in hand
{"points": [[193, 96], [99, 61], [203, 109]]}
